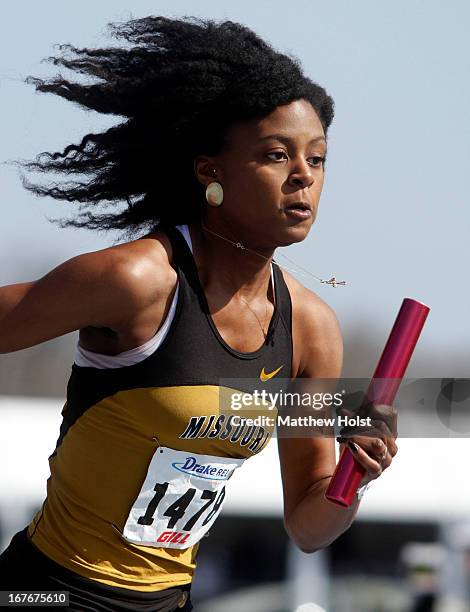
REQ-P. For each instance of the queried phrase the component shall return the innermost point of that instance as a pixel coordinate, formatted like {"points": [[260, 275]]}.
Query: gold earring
{"points": [[214, 194]]}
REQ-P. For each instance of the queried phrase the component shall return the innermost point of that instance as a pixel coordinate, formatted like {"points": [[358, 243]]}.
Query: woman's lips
{"points": [[298, 211]]}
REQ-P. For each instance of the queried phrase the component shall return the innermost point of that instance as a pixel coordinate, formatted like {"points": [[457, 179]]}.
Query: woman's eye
{"points": [[316, 161], [277, 155]]}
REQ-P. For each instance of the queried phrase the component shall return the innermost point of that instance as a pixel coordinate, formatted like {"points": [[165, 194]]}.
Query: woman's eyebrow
{"points": [[287, 140]]}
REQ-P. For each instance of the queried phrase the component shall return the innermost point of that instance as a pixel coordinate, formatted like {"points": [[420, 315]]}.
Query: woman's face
{"points": [[271, 170]]}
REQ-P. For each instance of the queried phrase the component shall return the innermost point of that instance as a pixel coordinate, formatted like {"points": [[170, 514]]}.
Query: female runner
{"points": [[220, 160]]}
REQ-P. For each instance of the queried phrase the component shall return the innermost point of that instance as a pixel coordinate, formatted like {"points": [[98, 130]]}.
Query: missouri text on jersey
{"points": [[233, 428]]}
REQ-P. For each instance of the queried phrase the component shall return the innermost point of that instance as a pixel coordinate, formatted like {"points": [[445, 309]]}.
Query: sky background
{"points": [[394, 218]]}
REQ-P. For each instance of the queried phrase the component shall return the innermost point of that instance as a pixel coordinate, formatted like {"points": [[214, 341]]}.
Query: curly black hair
{"points": [[179, 84]]}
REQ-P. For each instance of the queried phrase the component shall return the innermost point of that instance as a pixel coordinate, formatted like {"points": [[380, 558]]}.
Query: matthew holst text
{"points": [[302, 421]]}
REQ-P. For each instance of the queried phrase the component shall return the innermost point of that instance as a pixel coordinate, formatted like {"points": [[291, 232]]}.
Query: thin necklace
{"points": [[256, 316], [332, 281]]}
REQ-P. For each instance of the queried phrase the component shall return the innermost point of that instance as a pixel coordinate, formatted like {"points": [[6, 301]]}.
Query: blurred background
{"points": [[394, 222]]}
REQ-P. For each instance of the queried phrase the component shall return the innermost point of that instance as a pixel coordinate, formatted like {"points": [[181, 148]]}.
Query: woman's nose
{"points": [[301, 176]]}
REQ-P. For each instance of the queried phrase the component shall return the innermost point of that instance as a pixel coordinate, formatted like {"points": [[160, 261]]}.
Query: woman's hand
{"points": [[373, 445]]}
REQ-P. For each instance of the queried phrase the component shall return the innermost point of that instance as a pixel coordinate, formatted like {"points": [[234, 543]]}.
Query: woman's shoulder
{"points": [[133, 275], [316, 333], [138, 279], [143, 265], [306, 304]]}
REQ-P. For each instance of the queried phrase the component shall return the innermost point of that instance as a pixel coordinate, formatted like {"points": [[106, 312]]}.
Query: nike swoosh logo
{"points": [[264, 376]]}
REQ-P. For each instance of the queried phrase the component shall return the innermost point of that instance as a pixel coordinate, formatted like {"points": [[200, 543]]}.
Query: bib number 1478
{"points": [[177, 509], [180, 498]]}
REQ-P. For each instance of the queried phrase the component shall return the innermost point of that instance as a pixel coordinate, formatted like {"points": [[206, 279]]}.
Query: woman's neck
{"points": [[225, 267]]}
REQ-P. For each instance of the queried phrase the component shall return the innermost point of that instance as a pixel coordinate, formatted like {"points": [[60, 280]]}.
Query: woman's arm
{"points": [[102, 289], [307, 464]]}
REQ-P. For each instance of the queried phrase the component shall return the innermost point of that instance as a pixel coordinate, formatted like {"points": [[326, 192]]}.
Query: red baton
{"points": [[382, 390]]}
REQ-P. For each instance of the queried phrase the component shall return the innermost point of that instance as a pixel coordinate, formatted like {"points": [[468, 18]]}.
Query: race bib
{"points": [[180, 499]]}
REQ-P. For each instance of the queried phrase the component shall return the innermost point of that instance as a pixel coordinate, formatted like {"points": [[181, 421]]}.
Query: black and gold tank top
{"points": [[140, 469]]}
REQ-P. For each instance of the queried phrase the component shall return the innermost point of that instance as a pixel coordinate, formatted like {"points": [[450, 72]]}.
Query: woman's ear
{"points": [[205, 169]]}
